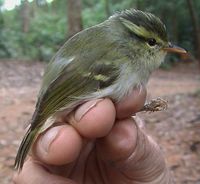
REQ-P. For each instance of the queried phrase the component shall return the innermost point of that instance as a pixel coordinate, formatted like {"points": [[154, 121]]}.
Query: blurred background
{"points": [[31, 31]]}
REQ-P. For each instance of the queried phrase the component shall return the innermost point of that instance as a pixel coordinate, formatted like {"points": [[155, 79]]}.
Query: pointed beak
{"points": [[175, 49]]}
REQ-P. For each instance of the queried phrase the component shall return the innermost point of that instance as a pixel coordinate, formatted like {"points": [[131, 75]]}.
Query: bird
{"points": [[106, 60]]}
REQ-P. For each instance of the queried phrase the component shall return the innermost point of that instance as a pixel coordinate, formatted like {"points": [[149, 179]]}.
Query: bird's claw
{"points": [[155, 105]]}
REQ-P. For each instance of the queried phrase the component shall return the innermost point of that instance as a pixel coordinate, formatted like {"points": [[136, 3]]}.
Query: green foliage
{"points": [[48, 24], [96, 10], [45, 36]]}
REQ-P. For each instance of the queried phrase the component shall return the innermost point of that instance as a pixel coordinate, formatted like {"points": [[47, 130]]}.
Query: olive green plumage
{"points": [[108, 59]]}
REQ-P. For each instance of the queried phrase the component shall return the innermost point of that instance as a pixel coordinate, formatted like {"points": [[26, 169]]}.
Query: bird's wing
{"points": [[83, 65], [76, 79]]}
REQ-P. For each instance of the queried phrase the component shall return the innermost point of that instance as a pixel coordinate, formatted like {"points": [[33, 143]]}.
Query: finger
{"points": [[62, 144], [133, 153], [131, 103], [94, 118], [146, 163], [33, 173], [58, 145], [119, 143]]}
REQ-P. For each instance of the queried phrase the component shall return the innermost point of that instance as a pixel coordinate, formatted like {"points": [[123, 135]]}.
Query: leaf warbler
{"points": [[106, 60]]}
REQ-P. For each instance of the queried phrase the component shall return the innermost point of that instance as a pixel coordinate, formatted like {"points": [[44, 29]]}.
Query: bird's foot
{"points": [[157, 104]]}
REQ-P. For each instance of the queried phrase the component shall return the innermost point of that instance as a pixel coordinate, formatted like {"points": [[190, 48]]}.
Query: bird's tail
{"points": [[25, 146]]}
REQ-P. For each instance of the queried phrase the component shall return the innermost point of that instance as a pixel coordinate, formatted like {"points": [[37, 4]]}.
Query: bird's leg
{"points": [[157, 104]]}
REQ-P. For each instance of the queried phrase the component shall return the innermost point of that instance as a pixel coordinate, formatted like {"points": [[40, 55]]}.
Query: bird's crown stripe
{"points": [[139, 30]]}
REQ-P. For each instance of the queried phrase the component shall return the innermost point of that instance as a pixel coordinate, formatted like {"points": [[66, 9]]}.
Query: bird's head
{"points": [[145, 36]]}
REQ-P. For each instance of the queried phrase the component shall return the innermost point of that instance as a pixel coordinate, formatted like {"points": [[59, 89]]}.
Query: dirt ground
{"points": [[177, 130]]}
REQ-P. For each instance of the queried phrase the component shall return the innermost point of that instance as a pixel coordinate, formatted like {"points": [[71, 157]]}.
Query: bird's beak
{"points": [[175, 49]]}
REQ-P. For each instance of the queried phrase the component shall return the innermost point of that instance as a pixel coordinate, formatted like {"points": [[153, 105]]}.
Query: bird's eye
{"points": [[151, 42]]}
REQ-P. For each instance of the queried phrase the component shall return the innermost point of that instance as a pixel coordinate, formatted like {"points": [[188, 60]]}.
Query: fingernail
{"points": [[48, 138], [85, 108]]}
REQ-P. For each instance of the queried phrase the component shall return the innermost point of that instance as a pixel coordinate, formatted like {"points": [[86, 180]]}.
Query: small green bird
{"points": [[106, 60]]}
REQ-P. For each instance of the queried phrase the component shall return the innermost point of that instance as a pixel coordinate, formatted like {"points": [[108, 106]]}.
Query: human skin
{"points": [[102, 145]]}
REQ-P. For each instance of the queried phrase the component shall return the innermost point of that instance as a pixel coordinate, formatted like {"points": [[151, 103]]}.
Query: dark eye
{"points": [[151, 42]]}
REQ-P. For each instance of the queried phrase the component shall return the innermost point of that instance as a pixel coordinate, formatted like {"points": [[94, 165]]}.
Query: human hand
{"points": [[102, 145]]}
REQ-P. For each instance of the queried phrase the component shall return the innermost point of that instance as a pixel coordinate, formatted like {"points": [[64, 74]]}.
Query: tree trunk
{"points": [[74, 17], [107, 7], [196, 27], [175, 28], [25, 13]]}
